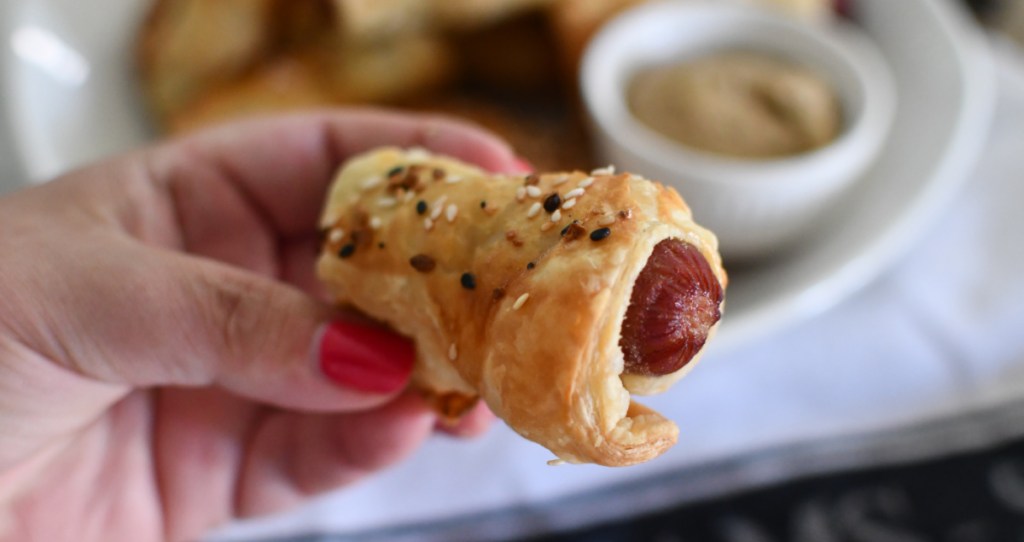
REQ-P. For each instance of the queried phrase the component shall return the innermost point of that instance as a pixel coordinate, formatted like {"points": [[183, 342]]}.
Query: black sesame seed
{"points": [[422, 263], [483, 204], [394, 171], [573, 231], [347, 250], [531, 265], [421, 207], [552, 202], [468, 281], [600, 234]]}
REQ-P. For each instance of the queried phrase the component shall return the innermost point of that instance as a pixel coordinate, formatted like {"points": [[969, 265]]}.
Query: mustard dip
{"points": [[740, 104]]}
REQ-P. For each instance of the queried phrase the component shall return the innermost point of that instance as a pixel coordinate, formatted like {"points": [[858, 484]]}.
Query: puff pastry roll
{"points": [[552, 297]]}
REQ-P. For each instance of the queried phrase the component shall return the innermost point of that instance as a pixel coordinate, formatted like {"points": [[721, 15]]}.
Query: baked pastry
{"points": [[308, 79], [188, 46], [552, 297]]}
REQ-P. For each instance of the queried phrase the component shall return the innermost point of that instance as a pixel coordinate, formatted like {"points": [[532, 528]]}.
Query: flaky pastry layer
{"points": [[511, 293]]}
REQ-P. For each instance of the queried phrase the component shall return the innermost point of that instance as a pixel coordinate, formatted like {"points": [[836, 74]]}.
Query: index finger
{"points": [[283, 165]]}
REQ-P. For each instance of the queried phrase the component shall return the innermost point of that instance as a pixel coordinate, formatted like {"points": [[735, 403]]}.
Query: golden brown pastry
{"points": [[363, 21], [315, 78], [188, 46], [288, 84], [553, 297]]}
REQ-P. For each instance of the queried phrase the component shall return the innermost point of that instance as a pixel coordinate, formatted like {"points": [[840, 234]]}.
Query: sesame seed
{"points": [[532, 179], [422, 263], [468, 281], [436, 213], [428, 224], [453, 352], [347, 250], [574, 193], [336, 235], [556, 216], [513, 238], [421, 207], [520, 301], [569, 204], [531, 265], [394, 171], [533, 191], [439, 202], [417, 153], [534, 210], [483, 204], [408, 196], [451, 212], [586, 182], [573, 231], [607, 170], [520, 193], [552, 202], [600, 234], [376, 223], [547, 226], [606, 220], [387, 202], [453, 179], [372, 182]]}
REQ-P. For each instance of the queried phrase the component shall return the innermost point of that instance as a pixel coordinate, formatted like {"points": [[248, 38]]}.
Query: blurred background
{"points": [[860, 160]]}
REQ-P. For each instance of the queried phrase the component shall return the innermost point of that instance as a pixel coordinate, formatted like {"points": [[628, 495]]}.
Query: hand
{"points": [[164, 345]]}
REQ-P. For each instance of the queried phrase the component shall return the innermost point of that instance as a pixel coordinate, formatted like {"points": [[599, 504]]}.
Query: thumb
{"points": [[274, 343]]}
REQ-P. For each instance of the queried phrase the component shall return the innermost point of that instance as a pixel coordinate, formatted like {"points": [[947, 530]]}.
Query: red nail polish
{"points": [[365, 358]]}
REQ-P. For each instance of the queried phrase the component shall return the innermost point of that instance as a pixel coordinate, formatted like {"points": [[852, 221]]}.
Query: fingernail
{"points": [[522, 165], [364, 358]]}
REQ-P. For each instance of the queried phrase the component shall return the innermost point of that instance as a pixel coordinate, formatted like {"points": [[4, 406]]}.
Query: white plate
{"points": [[70, 97]]}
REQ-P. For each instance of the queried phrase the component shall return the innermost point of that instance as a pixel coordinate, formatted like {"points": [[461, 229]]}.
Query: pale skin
{"points": [[158, 326]]}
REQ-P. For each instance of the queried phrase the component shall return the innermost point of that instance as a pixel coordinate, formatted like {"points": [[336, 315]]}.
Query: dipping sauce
{"points": [[741, 104]]}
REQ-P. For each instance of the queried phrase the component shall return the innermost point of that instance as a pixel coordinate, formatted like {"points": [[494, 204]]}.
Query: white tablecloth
{"points": [[927, 360]]}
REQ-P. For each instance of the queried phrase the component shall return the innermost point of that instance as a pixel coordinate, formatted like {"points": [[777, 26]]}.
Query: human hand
{"points": [[164, 346]]}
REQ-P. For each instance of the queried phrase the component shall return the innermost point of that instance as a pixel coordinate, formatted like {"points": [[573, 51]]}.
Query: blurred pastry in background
{"points": [[509, 64], [375, 74], [546, 134], [189, 46], [574, 22], [467, 14], [511, 58]]}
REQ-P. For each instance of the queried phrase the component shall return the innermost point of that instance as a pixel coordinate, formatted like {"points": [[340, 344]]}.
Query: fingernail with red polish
{"points": [[364, 358]]}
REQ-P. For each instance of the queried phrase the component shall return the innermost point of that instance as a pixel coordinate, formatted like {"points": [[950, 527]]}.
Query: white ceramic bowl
{"points": [[755, 206]]}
